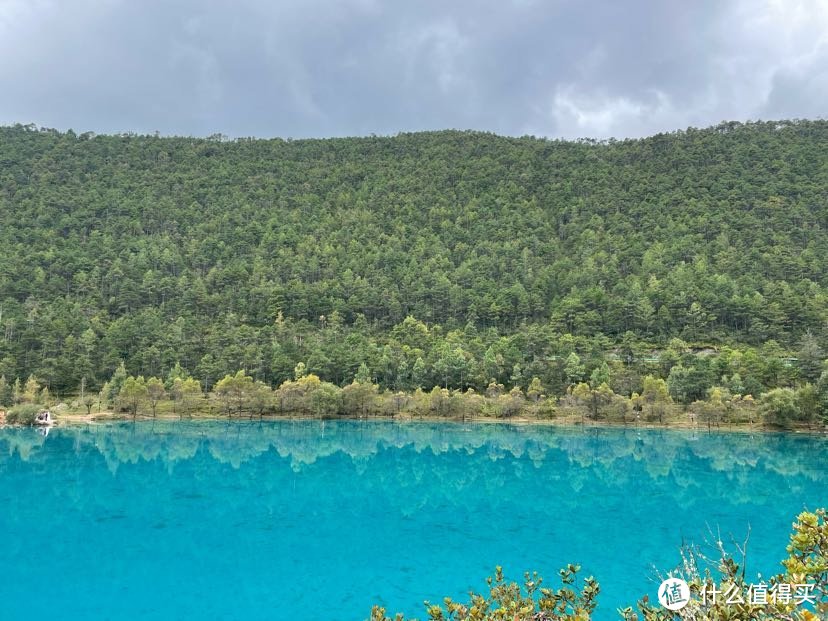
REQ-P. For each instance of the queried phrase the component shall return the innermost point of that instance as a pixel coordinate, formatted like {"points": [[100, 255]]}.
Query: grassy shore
{"points": [[572, 419]]}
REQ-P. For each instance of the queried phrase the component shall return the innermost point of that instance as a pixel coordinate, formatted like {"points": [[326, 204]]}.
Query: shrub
{"points": [[779, 407], [23, 414], [807, 563], [325, 400], [508, 600]]}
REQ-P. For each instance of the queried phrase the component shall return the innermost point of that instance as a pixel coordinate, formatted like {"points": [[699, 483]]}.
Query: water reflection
{"points": [[374, 512], [598, 456]]}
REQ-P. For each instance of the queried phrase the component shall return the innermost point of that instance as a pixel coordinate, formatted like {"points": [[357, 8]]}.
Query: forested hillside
{"points": [[507, 255]]}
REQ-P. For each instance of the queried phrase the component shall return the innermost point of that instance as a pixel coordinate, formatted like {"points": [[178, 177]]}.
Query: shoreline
{"points": [[105, 418]]}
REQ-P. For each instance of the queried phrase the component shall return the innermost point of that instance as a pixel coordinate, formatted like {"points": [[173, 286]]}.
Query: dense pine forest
{"points": [[453, 259]]}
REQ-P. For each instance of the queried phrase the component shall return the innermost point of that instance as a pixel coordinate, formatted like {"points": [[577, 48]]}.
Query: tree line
{"points": [[592, 397]]}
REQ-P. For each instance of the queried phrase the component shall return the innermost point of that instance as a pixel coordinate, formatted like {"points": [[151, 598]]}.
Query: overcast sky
{"points": [[559, 68]]}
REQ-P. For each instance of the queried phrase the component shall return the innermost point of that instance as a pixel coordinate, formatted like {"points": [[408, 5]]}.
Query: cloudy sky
{"points": [[299, 68]]}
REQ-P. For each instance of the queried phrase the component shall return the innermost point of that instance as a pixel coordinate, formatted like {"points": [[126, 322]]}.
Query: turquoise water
{"points": [[319, 520]]}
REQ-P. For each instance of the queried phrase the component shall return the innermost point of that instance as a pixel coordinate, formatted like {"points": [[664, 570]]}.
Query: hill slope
{"points": [[262, 253]]}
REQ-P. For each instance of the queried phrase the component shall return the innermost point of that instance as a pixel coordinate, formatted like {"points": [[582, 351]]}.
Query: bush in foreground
{"points": [[807, 563]]}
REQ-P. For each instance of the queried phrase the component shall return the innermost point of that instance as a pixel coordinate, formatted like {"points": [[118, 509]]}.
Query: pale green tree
{"points": [[155, 393], [132, 394], [594, 399], [358, 398], [115, 383], [17, 391], [363, 374], [418, 372], [656, 395], [573, 369], [5, 392], [326, 400], [186, 392], [31, 390], [779, 407], [234, 391], [260, 398], [176, 372], [600, 375], [535, 389]]}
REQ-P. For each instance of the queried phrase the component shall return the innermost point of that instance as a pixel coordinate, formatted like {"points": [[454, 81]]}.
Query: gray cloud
{"points": [[301, 68]]}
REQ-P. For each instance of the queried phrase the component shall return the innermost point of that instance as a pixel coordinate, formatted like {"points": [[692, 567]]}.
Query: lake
{"points": [[313, 520]]}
